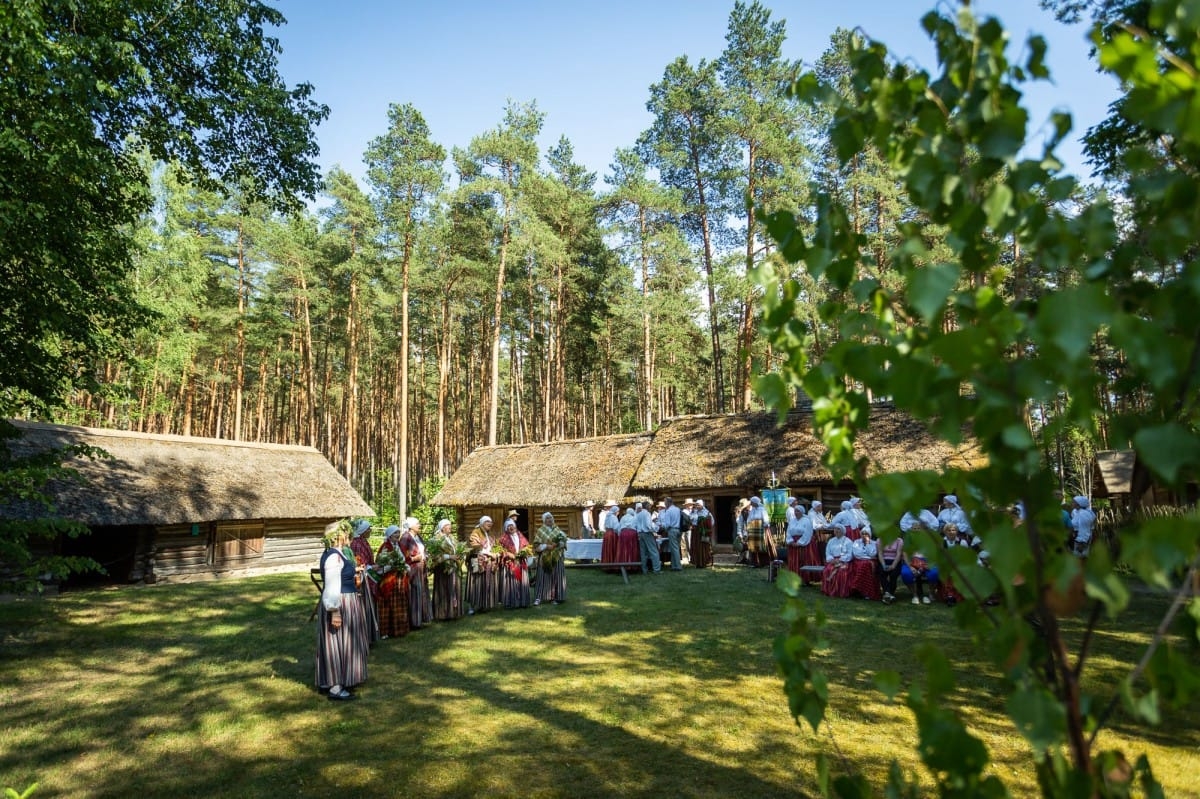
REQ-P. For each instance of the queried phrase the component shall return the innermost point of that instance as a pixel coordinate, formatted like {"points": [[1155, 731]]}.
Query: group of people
{"points": [[634, 537], [409, 582]]}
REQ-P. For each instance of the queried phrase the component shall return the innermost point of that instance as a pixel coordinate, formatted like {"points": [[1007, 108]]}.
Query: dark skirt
{"points": [[628, 548], [863, 579], [447, 594], [514, 584], [552, 581], [700, 552], [420, 608], [610, 550], [366, 591], [342, 653], [483, 586], [393, 607]]}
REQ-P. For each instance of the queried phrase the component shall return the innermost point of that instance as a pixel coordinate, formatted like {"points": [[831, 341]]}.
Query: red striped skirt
{"points": [[863, 580], [835, 581]]}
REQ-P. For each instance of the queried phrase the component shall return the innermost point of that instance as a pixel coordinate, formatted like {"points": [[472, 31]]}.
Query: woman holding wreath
{"points": [[550, 543], [483, 588], [391, 566], [444, 559], [514, 567], [420, 609]]}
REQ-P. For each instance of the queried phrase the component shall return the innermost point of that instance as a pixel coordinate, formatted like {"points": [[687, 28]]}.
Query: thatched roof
{"points": [[160, 480], [1114, 472], [737, 450], [552, 474]]}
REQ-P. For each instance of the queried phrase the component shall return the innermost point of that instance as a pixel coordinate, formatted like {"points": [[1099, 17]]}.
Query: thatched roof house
{"points": [[1121, 477], [742, 451], [718, 458], [173, 505], [558, 476]]}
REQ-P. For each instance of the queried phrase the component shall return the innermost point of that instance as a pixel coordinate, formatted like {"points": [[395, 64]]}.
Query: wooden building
{"points": [[178, 508], [1121, 477], [717, 458], [558, 476]]}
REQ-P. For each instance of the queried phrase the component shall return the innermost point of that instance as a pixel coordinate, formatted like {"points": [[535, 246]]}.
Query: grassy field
{"points": [[664, 687]]}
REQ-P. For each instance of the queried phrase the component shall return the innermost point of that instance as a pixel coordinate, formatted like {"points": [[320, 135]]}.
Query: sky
{"points": [[589, 64]]}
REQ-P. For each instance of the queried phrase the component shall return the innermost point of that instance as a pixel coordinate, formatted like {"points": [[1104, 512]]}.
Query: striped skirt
{"points": [[610, 549], [447, 594], [420, 608], [552, 581], [514, 584], [483, 586], [393, 607], [863, 579], [835, 581], [701, 551], [342, 653], [628, 548]]}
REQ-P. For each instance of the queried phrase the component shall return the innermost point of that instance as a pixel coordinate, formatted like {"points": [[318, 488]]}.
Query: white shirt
{"points": [[817, 519], [839, 548], [800, 531], [611, 522], [908, 521], [1083, 519], [863, 549], [642, 522], [846, 518], [954, 515], [861, 520]]}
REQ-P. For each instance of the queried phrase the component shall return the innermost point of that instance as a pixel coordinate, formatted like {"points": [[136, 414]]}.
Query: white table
{"points": [[584, 548]]}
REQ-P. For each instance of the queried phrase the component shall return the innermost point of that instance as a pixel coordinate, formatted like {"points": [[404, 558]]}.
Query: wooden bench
{"points": [[595, 564]]}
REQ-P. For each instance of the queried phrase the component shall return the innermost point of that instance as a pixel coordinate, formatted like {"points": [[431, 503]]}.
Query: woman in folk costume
{"points": [[702, 536], [420, 608], [629, 550], [951, 539], [393, 589], [550, 543], [862, 522], [447, 584], [514, 567], [845, 517], [758, 535], [1083, 522], [863, 579], [610, 527], [799, 539], [342, 636], [368, 586], [951, 513], [483, 578], [835, 581]]}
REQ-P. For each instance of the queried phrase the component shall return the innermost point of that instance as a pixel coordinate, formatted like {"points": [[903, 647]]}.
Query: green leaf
{"points": [[998, 204], [1039, 717], [1169, 450], [929, 289], [888, 683]]}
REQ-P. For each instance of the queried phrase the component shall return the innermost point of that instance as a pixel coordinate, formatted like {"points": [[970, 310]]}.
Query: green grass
{"points": [[664, 687]]}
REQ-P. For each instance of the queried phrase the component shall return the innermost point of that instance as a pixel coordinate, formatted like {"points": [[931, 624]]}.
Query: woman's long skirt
{"points": [[628, 548], [810, 555], [610, 549], [863, 579], [552, 581], [367, 589], [514, 584], [447, 594], [835, 581], [483, 586], [701, 551], [420, 608], [342, 653], [393, 607]]}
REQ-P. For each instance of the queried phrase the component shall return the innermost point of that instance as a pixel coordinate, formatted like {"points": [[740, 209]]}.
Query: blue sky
{"points": [[589, 64]]}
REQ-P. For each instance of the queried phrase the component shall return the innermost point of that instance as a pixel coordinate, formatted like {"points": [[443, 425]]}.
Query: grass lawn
{"points": [[665, 687]]}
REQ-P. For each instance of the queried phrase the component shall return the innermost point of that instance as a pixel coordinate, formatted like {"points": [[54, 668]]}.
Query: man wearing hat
{"points": [[589, 529]]}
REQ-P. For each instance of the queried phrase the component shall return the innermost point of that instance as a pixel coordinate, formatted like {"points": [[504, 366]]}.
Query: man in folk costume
{"points": [[799, 539], [550, 544], [585, 518], [758, 535], [668, 523], [835, 581], [647, 545], [514, 568], [420, 605]]}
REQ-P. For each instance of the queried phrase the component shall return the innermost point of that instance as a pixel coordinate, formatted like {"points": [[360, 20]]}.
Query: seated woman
{"points": [[836, 579], [946, 591], [799, 539], [916, 572], [514, 567], [863, 580], [890, 558]]}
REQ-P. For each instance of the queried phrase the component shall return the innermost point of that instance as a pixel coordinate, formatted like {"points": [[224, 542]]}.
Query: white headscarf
{"points": [[483, 519], [952, 499], [444, 524], [1082, 502]]}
